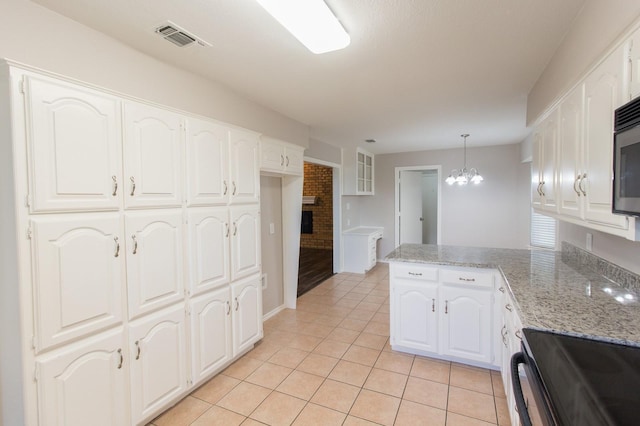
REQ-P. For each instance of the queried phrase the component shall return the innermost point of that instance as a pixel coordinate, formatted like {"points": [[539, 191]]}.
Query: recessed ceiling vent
{"points": [[178, 36]]}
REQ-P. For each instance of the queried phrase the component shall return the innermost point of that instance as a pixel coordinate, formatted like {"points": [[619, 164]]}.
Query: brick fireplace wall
{"points": [[318, 181]]}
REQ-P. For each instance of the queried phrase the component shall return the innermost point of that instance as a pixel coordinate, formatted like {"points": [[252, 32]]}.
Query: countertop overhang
{"points": [[551, 290]]}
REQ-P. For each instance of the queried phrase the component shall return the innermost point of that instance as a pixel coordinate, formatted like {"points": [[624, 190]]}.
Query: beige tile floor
{"points": [[329, 363]]}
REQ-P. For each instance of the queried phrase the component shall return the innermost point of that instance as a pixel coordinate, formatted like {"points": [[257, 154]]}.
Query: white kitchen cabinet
{"points": [[443, 312], [414, 315], [245, 241], [73, 147], [157, 347], [511, 335], [280, 157], [359, 172], [360, 248], [246, 298], [207, 163], [467, 330], [152, 144], [78, 275], [154, 260], [209, 233], [84, 384], [604, 92], [244, 167], [570, 154], [632, 48], [544, 164], [211, 333]]}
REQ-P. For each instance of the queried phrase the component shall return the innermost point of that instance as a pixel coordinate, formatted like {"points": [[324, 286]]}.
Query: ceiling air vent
{"points": [[178, 36]]}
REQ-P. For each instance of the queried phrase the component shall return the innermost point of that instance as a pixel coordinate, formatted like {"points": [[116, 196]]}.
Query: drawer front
{"points": [[471, 277], [414, 272]]}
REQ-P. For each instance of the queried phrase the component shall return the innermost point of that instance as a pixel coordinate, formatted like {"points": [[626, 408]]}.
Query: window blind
{"points": [[543, 231]]}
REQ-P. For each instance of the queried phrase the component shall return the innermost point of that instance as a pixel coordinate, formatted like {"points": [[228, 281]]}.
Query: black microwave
{"points": [[626, 159]]}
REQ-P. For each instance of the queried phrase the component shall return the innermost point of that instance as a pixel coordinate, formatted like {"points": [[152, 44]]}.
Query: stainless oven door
{"points": [[528, 392]]}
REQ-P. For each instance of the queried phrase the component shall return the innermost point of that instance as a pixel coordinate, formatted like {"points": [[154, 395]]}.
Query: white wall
{"points": [[271, 244], [323, 151], [599, 25], [430, 207], [492, 214], [36, 36]]}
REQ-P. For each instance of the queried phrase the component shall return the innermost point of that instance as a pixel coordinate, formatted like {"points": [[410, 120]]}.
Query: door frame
{"points": [[337, 209], [396, 218]]}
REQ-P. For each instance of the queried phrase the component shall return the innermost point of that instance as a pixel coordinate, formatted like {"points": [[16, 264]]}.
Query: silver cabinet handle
{"points": [[415, 274], [466, 279], [281, 160], [433, 305], [446, 306], [117, 253], [508, 307], [237, 304], [227, 228], [135, 244], [228, 307], [504, 335], [575, 182], [235, 229], [518, 334], [115, 185], [287, 157], [538, 189], [501, 289], [133, 185], [224, 182], [541, 188], [121, 359], [234, 188], [584, 192], [138, 351]]}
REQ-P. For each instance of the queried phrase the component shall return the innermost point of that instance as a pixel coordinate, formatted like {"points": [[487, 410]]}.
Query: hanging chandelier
{"points": [[463, 176]]}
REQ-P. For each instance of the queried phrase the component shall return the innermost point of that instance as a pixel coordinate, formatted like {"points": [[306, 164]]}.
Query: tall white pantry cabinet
{"points": [[136, 233]]}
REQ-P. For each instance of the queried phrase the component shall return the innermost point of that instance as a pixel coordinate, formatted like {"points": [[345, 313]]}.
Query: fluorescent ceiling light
{"points": [[311, 22]]}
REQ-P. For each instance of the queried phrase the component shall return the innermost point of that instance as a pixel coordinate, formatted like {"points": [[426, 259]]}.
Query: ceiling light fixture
{"points": [[311, 22], [463, 176]]}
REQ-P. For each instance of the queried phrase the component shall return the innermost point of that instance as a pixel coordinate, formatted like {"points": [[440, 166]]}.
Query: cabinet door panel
{"points": [[154, 260], [466, 326], [603, 94], [247, 314], [210, 333], [152, 156], [294, 160], [78, 275], [548, 163], [245, 167], [536, 172], [158, 361], [74, 147], [570, 154], [245, 241], [272, 156], [209, 241], [415, 313], [84, 384], [207, 163]]}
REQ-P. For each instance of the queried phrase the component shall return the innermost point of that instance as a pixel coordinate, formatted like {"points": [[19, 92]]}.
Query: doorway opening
{"points": [[418, 201], [317, 231]]}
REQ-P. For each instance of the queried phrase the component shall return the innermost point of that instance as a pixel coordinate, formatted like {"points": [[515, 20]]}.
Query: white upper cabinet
{"points": [[545, 143], [359, 172], [157, 348], [152, 156], [633, 64], [247, 314], [84, 384], [73, 147], [209, 232], [604, 92], [78, 264], [154, 260], [244, 166], [570, 169], [245, 241], [207, 163], [281, 157]]}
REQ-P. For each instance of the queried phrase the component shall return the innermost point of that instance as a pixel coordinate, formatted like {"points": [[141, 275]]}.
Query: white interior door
{"points": [[410, 207]]}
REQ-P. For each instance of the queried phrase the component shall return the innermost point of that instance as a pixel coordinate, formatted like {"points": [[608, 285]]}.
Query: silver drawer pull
{"points": [[415, 274], [115, 185], [133, 185], [508, 307], [121, 359], [237, 304], [138, 352], [467, 279], [135, 244], [281, 160], [287, 164], [501, 289], [518, 334], [234, 188], [117, 253], [224, 182], [228, 307]]}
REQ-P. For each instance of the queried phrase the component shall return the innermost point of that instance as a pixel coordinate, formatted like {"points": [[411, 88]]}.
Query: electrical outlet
{"points": [[272, 229], [589, 241]]}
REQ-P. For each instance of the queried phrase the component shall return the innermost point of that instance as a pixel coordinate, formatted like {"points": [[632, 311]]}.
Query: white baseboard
{"points": [[273, 312]]}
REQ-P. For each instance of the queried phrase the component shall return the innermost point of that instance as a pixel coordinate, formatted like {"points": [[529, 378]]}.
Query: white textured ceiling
{"points": [[416, 75]]}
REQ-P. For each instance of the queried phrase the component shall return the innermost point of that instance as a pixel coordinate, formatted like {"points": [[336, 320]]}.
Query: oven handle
{"points": [[517, 359]]}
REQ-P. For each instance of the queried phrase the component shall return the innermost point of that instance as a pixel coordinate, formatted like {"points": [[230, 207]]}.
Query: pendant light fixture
{"points": [[311, 22], [463, 176]]}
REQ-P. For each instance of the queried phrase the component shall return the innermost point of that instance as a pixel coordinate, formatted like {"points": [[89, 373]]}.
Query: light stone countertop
{"points": [[551, 291]]}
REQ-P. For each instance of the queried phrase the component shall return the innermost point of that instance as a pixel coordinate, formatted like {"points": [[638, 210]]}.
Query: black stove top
{"points": [[588, 382]]}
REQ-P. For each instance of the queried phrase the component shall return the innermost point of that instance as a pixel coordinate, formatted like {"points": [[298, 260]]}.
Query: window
{"points": [[543, 231]]}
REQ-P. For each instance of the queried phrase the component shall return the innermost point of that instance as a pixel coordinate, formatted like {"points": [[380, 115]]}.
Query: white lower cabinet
{"points": [[444, 312], [84, 384], [511, 335], [211, 334], [246, 298], [158, 353]]}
